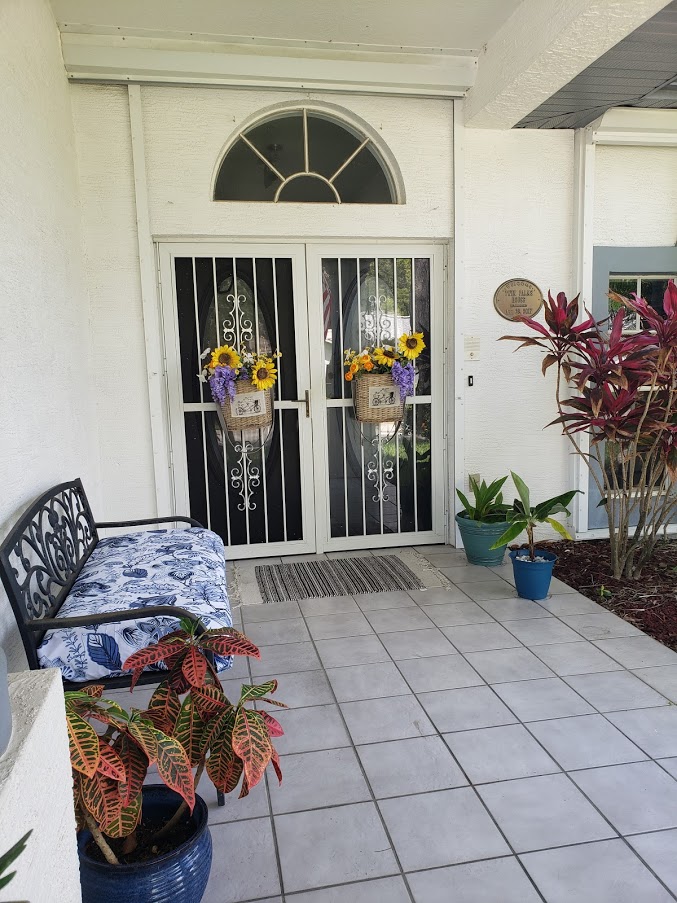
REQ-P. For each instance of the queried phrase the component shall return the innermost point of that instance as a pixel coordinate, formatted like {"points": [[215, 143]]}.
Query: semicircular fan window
{"points": [[304, 156]]}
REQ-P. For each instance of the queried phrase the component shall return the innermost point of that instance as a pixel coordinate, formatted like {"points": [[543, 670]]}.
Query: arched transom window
{"points": [[304, 156]]}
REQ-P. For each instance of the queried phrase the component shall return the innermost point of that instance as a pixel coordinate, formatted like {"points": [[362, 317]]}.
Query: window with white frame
{"points": [[304, 156], [647, 286]]}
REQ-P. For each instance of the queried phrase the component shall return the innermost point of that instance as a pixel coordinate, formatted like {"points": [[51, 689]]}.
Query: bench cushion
{"points": [[160, 567]]}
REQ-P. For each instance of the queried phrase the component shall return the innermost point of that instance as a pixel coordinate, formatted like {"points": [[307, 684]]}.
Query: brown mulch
{"points": [[649, 602]]}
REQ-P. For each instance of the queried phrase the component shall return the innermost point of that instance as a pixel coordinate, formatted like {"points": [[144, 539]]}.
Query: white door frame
{"points": [[167, 251], [401, 248], [307, 284]]}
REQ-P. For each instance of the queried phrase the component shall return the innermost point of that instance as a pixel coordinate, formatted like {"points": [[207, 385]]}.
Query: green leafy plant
{"points": [[489, 506], [10, 857], [189, 726], [525, 517]]}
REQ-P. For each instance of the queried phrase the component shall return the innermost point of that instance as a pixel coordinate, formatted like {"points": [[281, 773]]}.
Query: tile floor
{"points": [[457, 745]]}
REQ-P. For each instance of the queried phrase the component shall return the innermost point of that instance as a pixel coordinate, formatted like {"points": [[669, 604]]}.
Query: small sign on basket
{"points": [[384, 396], [249, 404]]}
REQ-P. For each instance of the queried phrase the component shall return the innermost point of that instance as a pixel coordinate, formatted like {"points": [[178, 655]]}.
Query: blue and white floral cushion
{"points": [[161, 567]]}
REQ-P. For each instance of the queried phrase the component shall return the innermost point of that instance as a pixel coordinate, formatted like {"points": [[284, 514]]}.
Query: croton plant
{"points": [[189, 726]]}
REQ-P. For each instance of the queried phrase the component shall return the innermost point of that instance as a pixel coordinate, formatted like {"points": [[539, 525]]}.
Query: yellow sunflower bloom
{"points": [[411, 345], [226, 356], [385, 356], [264, 374]]}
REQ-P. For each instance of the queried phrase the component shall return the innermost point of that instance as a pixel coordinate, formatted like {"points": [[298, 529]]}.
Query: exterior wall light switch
{"points": [[471, 380]]}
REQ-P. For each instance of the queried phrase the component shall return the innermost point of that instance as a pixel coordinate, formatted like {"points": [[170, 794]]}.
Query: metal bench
{"points": [[43, 555]]}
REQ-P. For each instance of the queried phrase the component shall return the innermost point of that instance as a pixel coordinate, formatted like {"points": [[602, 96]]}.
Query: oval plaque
{"points": [[518, 298]]}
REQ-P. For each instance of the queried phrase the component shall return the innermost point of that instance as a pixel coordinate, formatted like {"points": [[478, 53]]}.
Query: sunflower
{"points": [[385, 356], [264, 374], [411, 345], [226, 356]]}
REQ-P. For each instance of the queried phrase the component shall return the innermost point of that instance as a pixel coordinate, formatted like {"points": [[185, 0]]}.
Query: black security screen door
{"points": [[246, 486]]}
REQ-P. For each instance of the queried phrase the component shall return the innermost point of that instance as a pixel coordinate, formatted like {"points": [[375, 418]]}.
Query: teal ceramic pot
{"points": [[478, 538]]}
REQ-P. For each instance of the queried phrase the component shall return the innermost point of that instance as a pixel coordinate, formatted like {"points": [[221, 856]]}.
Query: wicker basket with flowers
{"points": [[383, 377], [241, 383]]}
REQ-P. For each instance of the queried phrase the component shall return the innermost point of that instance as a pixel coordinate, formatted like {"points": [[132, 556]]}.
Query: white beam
{"points": [[638, 127], [542, 46], [121, 58]]}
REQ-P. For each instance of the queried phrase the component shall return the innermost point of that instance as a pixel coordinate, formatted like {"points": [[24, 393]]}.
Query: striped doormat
{"points": [[334, 577]]}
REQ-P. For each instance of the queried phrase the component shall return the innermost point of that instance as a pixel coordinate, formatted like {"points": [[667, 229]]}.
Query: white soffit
{"points": [[467, 24], [246, 62], [639, 127]]}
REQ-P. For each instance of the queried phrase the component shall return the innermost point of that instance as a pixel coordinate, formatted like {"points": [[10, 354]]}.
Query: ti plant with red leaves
{"points": [[230, 739], [620, 392], [109, 767]]}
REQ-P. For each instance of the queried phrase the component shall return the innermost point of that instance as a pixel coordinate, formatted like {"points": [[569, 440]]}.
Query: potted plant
{"points": [[481, 524], [151, 843], [383, 377], [533, 567], [241, 383]]}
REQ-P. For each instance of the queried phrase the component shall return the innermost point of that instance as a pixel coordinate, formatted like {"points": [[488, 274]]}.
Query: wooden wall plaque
{"points": [[518, 298]]}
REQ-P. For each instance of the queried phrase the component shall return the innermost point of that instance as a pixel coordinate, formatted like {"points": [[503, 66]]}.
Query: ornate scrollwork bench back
{"points": [[42, 556]]}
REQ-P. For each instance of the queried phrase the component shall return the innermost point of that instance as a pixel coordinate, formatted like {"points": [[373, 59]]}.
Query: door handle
{"points": [[306, 401]]}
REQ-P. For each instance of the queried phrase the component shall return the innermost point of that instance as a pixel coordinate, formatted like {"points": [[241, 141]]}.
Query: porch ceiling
{"points": [[439, 24], [639, 71]]}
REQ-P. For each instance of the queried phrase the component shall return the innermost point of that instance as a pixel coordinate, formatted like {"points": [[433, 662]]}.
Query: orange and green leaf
{"points": [[136, 768], [210, 701], [190, 730], [101, 799], [194, 666], [83, 742], [110, 763], [224, 767], [164, 707], [228, 641], [251, 742], [257, 692], [127, 819], [174, 768]]}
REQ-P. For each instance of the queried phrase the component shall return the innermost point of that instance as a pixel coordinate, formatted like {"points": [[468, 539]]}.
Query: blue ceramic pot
{"points": [[478, 538], [177, 877], [532, 578]]}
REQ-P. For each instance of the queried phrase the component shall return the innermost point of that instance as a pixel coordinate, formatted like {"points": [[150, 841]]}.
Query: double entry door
{"points": [[317, 480]]}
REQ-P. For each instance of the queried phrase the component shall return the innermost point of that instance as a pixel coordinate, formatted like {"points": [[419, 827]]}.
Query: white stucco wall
{"points": [[47, 432], [111, 261], [36, 793], [518, 223], [635, 196], [185, 130]]}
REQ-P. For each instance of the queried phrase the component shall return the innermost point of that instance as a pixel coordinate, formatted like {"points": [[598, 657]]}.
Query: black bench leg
{"points": [[220, 798]]}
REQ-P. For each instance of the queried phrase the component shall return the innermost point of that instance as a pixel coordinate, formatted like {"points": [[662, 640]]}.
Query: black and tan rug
{"points": [[348, 576]]}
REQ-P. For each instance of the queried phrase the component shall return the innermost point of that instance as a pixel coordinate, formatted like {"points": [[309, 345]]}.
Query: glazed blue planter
{"points": [[478, 538], [177, 877], [532, 578]]}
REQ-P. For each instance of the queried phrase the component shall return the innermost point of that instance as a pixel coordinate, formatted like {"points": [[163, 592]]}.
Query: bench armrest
{"points": [[177, 518], [114, 617]]}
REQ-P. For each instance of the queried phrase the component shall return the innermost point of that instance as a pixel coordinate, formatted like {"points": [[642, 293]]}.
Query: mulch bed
{"points": [[649, 602]]}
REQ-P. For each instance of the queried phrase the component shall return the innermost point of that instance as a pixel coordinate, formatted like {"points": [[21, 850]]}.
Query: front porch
{"points": [[456, 744]]}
